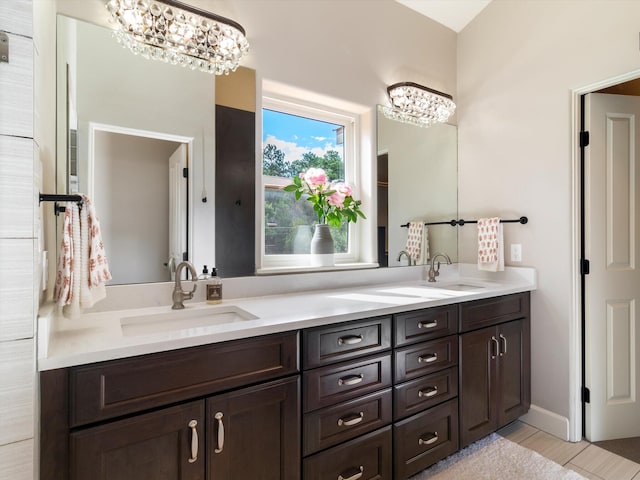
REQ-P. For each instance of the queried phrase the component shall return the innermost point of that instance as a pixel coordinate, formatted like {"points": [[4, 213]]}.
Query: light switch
{"points": [[516, 252]]}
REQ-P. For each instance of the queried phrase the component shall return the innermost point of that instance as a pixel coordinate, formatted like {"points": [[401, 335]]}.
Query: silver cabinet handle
{"points": [[218, 416], [428, 324], [428, 358], [354, 420], [194, 441], [350, 339], [351, 380], [355, 476], [495, 351], [504, 345], [428, 392], [432, 438]]}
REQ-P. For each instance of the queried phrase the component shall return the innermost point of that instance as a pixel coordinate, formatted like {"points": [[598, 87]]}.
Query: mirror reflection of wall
{"points": [[422, 183]]}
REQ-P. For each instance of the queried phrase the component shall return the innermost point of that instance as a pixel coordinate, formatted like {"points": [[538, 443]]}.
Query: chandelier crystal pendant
{"points": [[179, 34], [418, 105]]}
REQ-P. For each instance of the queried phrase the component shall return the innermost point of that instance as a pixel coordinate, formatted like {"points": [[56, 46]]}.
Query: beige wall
{"points": [[517, 64]]}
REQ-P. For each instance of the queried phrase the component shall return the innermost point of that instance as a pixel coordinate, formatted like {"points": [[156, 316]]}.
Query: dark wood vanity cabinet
{"points": [[183, 414], [495, 363]]}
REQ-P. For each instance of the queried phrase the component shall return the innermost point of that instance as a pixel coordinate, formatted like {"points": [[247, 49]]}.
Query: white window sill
{"points": [[304, 269]]}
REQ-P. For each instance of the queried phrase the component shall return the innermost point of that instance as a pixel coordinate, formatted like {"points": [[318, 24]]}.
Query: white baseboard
{"points": [[547, 421]]}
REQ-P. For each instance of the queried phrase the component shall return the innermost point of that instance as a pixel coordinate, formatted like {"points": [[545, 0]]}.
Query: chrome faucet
{"points": [[403, 252], [434, 272], [180, 295]]}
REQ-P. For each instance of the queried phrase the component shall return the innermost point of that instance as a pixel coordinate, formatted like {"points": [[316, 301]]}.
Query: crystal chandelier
{"points": [[179, 34], [418, 105]]}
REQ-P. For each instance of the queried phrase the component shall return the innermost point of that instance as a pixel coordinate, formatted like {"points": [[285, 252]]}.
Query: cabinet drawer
{"points": [[425, 438], [491, 311], [421, 325], [424, 392], [428, 357], [332, 425], [365, 458], [324, 345], [337, 383], [118, 387]]}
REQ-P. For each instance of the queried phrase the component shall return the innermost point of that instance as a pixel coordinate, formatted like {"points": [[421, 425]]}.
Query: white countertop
{"points": [[101, 336]]}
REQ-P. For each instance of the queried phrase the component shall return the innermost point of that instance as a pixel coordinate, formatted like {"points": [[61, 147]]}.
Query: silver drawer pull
{"points": [[431, 439], [428, 358], [351, 380], [428, 392], [218, 416], [428, 324], [354, 420], [355, 476], [350, 339], [504, 345], [194, 441], [495, 351]]}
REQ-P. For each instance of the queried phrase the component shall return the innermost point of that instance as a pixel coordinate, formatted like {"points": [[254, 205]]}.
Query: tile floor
{"points": [[588, 460]]}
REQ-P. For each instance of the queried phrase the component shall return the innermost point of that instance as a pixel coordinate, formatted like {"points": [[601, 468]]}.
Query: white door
{"points": [[612, 293], [177, 208]]}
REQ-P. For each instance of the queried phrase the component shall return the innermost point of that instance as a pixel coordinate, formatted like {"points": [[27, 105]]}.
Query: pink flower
{"points": [[315, 177], [342, 191]]}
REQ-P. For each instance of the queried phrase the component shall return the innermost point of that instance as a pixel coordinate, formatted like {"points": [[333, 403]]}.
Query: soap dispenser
{"points": [[205, 274], [213, 287]]}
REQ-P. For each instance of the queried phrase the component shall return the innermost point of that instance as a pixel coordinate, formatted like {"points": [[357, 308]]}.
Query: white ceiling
{"points": [[455, 14]]}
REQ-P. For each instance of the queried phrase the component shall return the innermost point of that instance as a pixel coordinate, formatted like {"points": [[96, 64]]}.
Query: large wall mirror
{"points": [[417, 181], [123, 120]]}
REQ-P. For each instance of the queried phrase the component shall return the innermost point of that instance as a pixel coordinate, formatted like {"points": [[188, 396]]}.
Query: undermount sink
{"points": [[187, 319], [457, 286]]}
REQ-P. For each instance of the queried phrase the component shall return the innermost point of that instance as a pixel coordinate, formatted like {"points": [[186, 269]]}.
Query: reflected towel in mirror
{"points": [[417, 246]]}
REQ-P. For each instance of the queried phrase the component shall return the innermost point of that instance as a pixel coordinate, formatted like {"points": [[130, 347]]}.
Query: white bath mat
{"points": [[495, 458]]}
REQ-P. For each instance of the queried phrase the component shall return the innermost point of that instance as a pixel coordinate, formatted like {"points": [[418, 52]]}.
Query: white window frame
{"points": [[352, 168]]}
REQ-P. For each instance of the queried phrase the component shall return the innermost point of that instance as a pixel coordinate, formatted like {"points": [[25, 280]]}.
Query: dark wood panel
{"points": [[426, 324], [336, 343], [261, 430], [514, 369], [417, 360], [155, 445], [332, 425], [492, 311], [424, 439], [235, 192], [110, 389], [424, 392], [370, 455], [54, 424], [478, 372], [336, 383]]}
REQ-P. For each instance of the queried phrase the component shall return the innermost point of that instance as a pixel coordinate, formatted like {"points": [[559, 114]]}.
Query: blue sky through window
{"points": [[296, 135]]}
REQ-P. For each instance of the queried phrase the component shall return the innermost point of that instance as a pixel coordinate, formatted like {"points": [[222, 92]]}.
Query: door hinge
{"points": [[584, 266], [586, 395], [185, 256], [185, 172], [584, 139]]}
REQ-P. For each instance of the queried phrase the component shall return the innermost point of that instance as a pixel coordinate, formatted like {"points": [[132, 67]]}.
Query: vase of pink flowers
{"points": [[333, 203]]}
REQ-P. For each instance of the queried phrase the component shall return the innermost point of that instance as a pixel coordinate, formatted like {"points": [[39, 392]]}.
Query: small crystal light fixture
{"points": [[179, 34], [418, 105]]}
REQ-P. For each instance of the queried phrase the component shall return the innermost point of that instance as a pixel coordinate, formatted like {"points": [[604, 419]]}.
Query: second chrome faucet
{"points": [[179, 295], [435, 271]]}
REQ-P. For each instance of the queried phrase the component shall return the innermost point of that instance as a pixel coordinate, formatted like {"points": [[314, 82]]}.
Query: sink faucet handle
{"points": [[179, 295]]}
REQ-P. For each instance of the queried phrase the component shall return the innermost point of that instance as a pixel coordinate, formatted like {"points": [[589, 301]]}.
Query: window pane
{"points": [[292, 144]]}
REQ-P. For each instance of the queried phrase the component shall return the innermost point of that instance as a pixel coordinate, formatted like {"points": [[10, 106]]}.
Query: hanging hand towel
{"points": [[490, 245], [82, 263]]}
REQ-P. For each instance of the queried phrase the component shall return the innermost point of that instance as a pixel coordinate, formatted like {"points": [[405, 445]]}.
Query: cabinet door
{"points": [[514, 397], [478, 373], [163, 445], [255, 432]]}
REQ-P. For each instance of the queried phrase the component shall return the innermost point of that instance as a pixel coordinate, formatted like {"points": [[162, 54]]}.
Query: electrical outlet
{"points": [[516, 252]]}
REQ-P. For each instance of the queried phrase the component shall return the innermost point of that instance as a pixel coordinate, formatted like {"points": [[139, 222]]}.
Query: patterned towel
{"points": [[490, 245], [82, 263], [417, 246]]}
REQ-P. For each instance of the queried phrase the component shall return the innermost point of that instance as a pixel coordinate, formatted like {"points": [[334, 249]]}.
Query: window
{"points": [[296, 137]]}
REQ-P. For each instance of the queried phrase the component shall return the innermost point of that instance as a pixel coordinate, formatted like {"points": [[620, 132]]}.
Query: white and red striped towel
{"points": [[490, 245], [82, 263]]}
